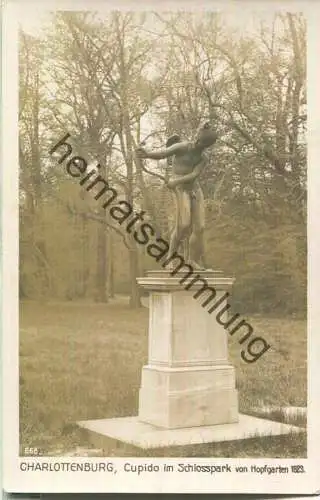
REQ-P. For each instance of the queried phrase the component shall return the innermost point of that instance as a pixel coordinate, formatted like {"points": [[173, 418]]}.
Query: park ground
{"points": [[82, 361]]}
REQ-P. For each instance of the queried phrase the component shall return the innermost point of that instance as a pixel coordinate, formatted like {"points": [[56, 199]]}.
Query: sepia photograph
{"points": [[162, 234]]}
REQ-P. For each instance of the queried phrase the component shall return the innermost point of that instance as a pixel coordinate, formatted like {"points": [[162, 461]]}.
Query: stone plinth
{"points": [[187, 393], [188, 381], [131, 431]]}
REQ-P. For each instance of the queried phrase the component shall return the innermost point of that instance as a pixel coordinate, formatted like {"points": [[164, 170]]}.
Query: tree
{"points": [[33, 254], [114, 80]]}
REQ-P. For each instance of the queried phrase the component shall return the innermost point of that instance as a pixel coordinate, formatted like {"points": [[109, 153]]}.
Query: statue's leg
{"points": [[197, 250], [183, 219], [185, 245]]}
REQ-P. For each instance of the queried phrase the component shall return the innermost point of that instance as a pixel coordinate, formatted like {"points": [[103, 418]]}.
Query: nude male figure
{"points": [[188, 162]]}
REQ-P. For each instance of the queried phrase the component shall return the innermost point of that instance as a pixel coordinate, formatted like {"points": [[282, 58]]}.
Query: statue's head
{"points": [[205, 135]]}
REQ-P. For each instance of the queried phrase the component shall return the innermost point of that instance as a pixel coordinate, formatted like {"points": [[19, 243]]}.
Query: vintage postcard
{"points": [[160, 247]]}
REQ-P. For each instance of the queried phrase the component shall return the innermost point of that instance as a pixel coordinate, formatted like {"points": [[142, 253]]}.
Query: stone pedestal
{"points": [[187, 393], [188, 381]]}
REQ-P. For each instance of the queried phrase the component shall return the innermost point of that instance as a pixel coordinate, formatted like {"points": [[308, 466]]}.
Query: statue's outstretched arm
{"points": [[160, 154]]}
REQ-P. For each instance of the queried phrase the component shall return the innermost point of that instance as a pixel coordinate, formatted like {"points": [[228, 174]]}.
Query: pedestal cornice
{"points": [[166, 281]]}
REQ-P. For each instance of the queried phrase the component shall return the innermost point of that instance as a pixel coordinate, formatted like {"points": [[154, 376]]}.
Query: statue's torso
{"points": [[184, 163]]}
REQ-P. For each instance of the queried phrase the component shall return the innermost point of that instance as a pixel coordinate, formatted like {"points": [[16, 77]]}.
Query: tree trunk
{"points": [[39, 241], [127, 150], [85, 256], [135, 295], [110, 265], [101, 265]]}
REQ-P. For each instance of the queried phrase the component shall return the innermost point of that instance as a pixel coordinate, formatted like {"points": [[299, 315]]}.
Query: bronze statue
{"points": [[188, 162]]}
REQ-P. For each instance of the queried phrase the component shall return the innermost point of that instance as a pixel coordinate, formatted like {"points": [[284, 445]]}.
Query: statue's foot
{"points": [[200, 267], [196, 266]]}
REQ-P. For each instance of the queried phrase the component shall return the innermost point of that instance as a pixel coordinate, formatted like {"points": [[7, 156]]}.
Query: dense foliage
{"points": [[116, 80]]}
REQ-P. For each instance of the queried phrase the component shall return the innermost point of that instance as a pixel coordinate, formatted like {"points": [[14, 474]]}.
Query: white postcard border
{"points": [[16, 480]]}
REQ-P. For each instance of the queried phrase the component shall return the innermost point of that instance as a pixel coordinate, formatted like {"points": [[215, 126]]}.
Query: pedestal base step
{"points": [[131, 431], [188, 408]]}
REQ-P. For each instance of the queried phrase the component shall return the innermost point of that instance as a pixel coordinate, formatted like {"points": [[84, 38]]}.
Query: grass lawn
{"points": [[82, 361]]}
